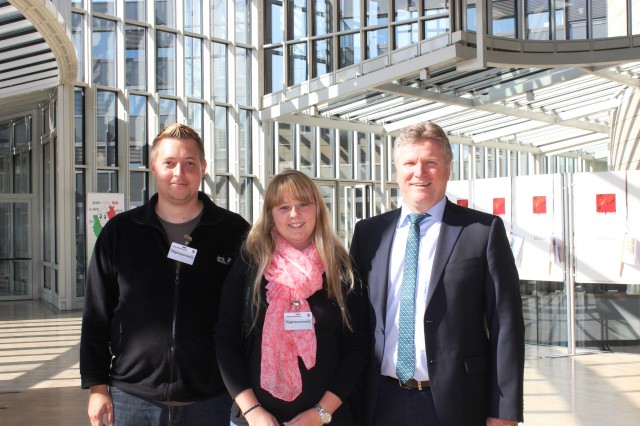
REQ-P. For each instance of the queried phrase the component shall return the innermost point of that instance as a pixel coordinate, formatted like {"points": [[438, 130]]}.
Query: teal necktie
{"points": [[406, 333]]}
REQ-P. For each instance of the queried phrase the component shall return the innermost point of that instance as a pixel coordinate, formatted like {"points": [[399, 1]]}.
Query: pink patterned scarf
{"points": [[293, 275]]}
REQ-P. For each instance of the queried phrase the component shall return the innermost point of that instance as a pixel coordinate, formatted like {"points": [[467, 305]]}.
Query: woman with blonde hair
{"points": [[292, 338]]}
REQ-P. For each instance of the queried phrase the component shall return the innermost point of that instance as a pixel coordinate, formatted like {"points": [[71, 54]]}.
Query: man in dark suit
{"points": [[461, 362]]}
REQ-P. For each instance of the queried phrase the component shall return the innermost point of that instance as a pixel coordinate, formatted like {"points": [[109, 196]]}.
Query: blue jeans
{"points": [[130, 410]]}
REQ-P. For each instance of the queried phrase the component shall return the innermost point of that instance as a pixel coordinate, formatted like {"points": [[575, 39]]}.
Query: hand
{"points": [[306, 418], [100, 403], [492, 421], [261, 417]]}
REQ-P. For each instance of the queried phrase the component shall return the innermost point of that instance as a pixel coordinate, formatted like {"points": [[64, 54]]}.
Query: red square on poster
{"points": [[605, 203], [498, 206], [540, 204], [462, 202]]}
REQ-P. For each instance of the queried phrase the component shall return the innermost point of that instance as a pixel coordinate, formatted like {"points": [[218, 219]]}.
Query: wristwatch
{"points": [[325, 416]]}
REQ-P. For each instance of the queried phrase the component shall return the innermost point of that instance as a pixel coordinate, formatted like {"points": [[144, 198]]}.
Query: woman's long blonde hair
{"points": [[261, 241]]}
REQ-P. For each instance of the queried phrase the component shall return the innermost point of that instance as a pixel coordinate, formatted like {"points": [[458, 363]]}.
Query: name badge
{"points": [[182, 253], [298, 321]]}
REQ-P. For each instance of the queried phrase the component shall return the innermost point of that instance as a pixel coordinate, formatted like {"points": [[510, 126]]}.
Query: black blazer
{"points": [[474, 328]]}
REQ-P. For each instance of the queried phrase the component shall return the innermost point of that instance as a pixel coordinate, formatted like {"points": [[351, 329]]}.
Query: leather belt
{"points": [[411, 384]]}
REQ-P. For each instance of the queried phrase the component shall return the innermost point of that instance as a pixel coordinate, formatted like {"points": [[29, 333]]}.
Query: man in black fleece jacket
{"points": [[147, 350]]}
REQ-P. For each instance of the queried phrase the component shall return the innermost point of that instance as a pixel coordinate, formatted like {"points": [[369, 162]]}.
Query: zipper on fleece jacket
{"points": [[172, 346]]}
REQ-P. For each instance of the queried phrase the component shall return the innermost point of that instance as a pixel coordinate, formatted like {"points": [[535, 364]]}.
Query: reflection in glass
{"points": [[327, 153], [168, 113], [377, 12], [77, 33], [323, 17], [103, 51], [435, 27], [245, 142], [193, 66], [328, 196], [538, 25], [222, 191], [138, 188], [107, 129], [349, 49], [138, 141], [243, 21], [195, 117], [243, 76], [81, 269], [274, 20], [286, 147], [107, 181], [349, 14], [221, 140], [274, 71], [136, 57], [297, 63], [166, 63], [377, 42], [246, 198], [406, 9], [78, 125], [406, 35], [135, 10], [364, 157], [219, 72], [165, 13], [322, 57], [103, 6], [297, 19], [193, 16], [308, 150], [219, 18], [504, 18], [346, 154]]}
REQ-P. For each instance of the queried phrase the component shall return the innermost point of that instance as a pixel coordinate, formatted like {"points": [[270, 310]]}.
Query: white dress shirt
{"points": [[429, 232]]}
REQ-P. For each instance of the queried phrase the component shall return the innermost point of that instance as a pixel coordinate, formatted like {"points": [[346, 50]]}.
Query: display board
{"points": [[606, 212], [459, 192], [494, 196], [100, 208], [537, 229]]}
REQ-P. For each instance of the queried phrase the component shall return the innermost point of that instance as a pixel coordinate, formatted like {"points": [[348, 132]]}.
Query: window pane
{"points": [[193, 66], [346, 154], [435, 27], [286, 148], [297, 19], [103, 6], [166, 63], [406, 9], [274, 19], [480, 157], [364, 157], [308, 150], [136, 59], [273, 65], [323, 17], [107, 130], [246, 148], [243, 76], [80, 194], [193, 16], [538, 24], [138, 188], [104, 52], [138, 140], [635, 17], [377, 42], [246, 198], [377, 12], [322, 57], [504, 18], [406, 35], [77, 33], [165, 13], [168, 113], [195, 117], [107, 181], [219, 18], [466, 162], [78, 125], [222, 191], [221, 140], [243, 22], [219, 72], [349, 14], [297, 63], [349, 49], [435, 7], [135, 9], [327, 153]]}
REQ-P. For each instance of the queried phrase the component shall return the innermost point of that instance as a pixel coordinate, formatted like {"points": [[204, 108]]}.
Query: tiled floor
{"points": [[39, 382]]}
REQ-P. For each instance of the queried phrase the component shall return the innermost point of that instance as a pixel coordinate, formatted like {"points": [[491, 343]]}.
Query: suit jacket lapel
{"points": [[446, 241]]}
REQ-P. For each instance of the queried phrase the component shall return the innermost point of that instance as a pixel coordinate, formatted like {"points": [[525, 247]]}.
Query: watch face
{"points": [[325, 417]]}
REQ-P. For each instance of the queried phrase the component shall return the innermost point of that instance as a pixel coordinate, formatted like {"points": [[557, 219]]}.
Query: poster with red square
{"points": [[462, 202], [539, 204], [605, 203], [498, 206]]}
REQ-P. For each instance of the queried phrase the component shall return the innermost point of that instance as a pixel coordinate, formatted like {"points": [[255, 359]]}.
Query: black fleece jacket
{"points": [[148, 322]]}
